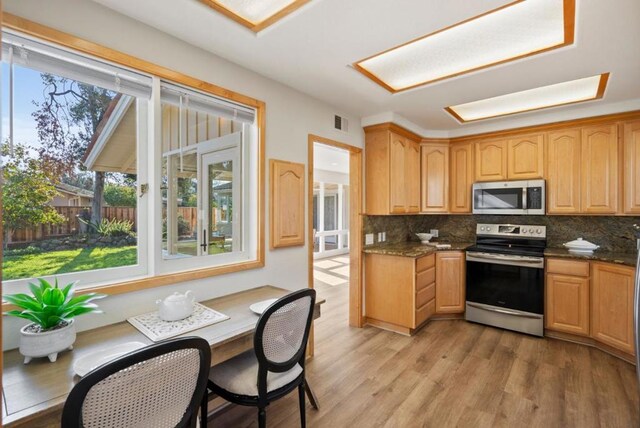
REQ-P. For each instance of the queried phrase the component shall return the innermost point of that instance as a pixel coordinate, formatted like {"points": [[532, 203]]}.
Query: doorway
{"points": [[335, 225]]}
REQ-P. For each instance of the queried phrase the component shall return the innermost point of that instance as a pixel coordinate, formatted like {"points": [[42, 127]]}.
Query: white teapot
{"points": [[176, 306]]}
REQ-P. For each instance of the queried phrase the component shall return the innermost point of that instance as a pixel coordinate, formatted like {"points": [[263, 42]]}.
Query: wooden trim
{"points": [[569, 30], [356, 318], [406, 331], [397, 129], [34, 29], [255, 26]]}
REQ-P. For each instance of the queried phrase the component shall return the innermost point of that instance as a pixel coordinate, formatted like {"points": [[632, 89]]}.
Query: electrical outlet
{"points": [[368, 239], [434, 232]]}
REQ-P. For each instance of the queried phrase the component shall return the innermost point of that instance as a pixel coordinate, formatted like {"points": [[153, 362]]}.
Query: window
{"points": [[330, 219], [71, 165]]}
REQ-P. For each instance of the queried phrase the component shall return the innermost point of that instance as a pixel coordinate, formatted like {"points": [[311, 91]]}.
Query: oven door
{"points": [[506, 281]]}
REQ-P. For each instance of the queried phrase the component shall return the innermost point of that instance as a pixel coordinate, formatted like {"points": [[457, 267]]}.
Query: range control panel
{"points": [[513, 230]]}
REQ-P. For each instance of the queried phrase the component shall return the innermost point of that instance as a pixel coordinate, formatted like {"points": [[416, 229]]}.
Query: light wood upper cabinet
{"points": [[563, 171], [632, 167], [412, 177], [461, 177], [392, 163], [450, 282], [397, 173], [612, 291], [599, 169], [567, 304], [491, 160], [525, 157], [287, 204], [435, 177]]}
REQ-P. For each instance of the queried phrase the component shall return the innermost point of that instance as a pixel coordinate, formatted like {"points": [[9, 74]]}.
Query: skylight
{"points": [[519, 29], [573, 91], [255, 15]]}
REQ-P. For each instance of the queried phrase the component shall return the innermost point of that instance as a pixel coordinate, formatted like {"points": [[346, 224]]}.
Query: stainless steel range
{"points": [[505, 277]]}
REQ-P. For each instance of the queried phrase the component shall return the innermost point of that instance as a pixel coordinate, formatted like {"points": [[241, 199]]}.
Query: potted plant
{"points": [[51, 311]]}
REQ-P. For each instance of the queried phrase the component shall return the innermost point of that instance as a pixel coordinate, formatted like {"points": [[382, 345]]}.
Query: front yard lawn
{"points": [[64, 261]]}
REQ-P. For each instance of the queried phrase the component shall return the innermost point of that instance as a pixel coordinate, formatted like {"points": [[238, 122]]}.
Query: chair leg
{"points": [[312, 397], [204, 413], [262, 417], [303, 418]]}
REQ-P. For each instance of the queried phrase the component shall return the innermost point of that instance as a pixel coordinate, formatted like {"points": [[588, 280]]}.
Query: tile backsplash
{"points": [[611, 233]]}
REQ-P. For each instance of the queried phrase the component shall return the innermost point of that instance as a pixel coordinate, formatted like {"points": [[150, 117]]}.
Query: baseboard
{"points": [[588, 341]]}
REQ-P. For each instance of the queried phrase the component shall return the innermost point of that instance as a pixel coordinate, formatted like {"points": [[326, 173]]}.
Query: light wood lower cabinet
{"points": [[612, 291], [450, 282], [567, 304]]}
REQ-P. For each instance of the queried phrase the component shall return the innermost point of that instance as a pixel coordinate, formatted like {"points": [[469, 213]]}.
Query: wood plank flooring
{"points": [[451, 374]]}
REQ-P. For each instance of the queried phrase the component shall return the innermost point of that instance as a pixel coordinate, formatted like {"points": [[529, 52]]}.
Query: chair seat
{"points": [[239, 375]]}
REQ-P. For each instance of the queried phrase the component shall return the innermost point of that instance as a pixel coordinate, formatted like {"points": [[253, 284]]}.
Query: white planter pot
{"points": [[47, 344]]}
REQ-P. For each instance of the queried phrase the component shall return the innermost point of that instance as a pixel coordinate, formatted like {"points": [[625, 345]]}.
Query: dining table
{"points": [[34, 394]]}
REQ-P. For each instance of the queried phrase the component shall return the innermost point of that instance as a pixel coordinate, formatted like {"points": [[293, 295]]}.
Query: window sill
{"points": [[161, 280]]}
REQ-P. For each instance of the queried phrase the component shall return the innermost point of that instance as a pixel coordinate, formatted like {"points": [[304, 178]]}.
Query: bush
{"points": [[184, 227], [113, 227], [23, 251], [120, 196]]}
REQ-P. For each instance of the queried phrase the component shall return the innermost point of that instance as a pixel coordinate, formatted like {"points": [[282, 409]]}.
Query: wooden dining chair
{"points": [[275, 366], [162, 385]]}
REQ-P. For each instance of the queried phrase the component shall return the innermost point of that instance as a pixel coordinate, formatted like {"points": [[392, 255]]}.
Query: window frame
{"points": [[155, 277]]}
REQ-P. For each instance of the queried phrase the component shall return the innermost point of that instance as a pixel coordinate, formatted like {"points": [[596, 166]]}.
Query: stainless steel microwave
{"points": [[526, 197]]}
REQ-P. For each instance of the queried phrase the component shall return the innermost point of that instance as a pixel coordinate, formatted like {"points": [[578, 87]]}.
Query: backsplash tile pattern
{"points": [[611, 233]]}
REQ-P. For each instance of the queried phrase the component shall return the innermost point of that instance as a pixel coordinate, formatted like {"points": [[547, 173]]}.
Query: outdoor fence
{"points": [[72, 226]]}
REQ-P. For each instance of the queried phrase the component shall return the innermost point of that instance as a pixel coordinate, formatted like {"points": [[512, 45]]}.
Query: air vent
{"points": [[340, 123]]}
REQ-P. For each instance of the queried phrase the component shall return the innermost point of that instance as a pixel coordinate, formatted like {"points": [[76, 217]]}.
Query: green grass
{"points": [[56, 262]]}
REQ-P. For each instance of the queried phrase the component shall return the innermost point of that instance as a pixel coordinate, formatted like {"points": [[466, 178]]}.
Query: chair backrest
{"points": [[282, 332], [161, 385]]}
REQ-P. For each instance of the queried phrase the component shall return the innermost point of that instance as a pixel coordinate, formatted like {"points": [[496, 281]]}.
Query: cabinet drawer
{"points": [[426, 294], [568, 267], [425, 312], [425, 278], [425, 262]]}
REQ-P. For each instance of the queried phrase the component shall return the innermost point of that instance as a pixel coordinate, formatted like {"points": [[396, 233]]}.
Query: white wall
{"points": [[291, 116]]}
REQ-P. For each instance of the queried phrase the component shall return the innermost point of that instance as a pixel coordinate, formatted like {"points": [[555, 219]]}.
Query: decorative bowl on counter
{"points": [[424, 237], [580, 246]]}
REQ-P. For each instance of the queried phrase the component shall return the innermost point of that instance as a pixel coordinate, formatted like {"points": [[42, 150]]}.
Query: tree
{"points": [[120, 196], [27, 188], [66, 121]]}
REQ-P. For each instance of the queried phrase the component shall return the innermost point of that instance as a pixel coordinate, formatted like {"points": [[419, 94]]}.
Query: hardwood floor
{"points": [[451, 374]]}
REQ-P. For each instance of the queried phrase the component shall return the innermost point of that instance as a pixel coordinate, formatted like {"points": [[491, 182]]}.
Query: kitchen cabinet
{"points": [[563, 171], [599, 169], [392, 162], [612, 291], [525, 156], [631, 156], [450, 282], [399, 291], [567, 296], [286, 201], [435, 177], [491, 160], [461, 177]]}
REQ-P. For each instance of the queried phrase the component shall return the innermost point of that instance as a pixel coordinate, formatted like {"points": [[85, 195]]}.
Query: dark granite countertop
{"points": [[412, 248], [628, 259]]}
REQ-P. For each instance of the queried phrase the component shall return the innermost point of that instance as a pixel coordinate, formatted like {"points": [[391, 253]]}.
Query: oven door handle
{"points": [[505, 258], [503, 311]]}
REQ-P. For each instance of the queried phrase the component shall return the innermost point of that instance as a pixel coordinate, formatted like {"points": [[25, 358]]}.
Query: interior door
{"points": [[220, 202]]}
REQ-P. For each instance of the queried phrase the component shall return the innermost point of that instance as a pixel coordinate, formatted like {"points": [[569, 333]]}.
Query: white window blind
{"points": [[48, 58], [187, 98]]}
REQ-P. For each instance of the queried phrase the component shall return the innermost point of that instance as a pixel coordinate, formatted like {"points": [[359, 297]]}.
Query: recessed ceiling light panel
{"points": [[574, 91], [519, 29], [255, 14]]}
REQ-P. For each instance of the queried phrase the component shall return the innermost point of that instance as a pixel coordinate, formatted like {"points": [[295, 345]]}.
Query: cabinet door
{"points": [[525, 157], [287, 204], [412, 177], [435, 177], [390, 298], [397, 173], [491, 161], [612, 305], [461, 177], [632, 167], [599, 169], [567, 304], [563, 172], [450, 282]]}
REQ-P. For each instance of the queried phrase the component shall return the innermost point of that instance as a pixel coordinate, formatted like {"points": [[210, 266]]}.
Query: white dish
{"points": [[260, 307], [86, 363], [424, 237], [580, 245]]}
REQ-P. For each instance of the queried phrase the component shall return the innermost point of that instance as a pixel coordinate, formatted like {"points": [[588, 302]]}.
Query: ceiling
{"points": [[329, 158], [311, 50]]}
